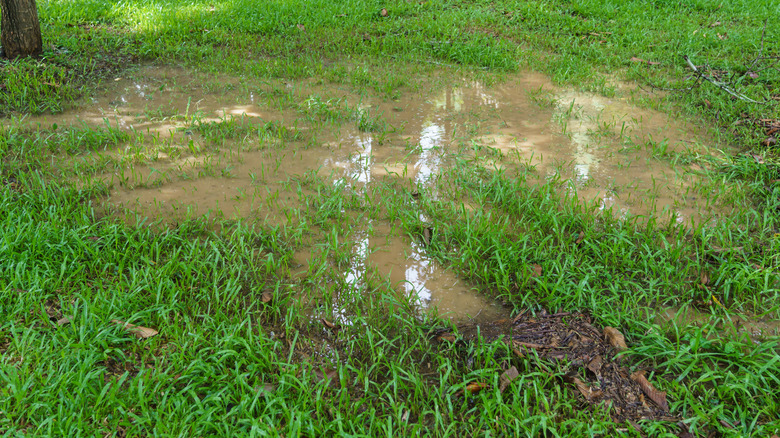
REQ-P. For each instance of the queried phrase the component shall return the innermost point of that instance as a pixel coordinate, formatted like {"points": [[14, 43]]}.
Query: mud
{"points": [[180, 165], [733, 325]]}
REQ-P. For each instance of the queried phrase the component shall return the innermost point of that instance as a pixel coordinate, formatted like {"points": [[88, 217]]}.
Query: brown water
{"points": [[605, 148]]}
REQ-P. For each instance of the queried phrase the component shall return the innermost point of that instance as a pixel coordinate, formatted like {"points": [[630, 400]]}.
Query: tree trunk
{"points": [[21, 32]]}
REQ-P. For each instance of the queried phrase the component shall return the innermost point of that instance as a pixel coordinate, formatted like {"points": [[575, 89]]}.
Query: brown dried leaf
{"points": [[475, 387], [615, 338], [705, 278], [449, 337], [520, 344], [595, 365], [684, 431], [328, 324], [137, 330], [586, 391], [266, 297], [579, 238], [268, 387], [635, 59], [518, 317], [536, 270], [507, 377], [63, 321], [383, 12], [326, 374], [715, 24], [301, 27], [726, 423], [427, 235], [659, 397]]}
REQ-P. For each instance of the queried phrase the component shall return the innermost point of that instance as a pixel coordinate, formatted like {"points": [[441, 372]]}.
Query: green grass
{"points": [[242, 349]]}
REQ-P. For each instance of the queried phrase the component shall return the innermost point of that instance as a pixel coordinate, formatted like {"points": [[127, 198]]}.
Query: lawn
{"points": [[297, 218]]}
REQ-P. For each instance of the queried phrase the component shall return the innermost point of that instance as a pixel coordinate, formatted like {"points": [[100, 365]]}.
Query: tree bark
{"points": [[21, 32]]}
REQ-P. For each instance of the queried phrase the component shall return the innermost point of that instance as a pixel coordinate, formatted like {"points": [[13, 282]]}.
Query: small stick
{"points": [[717, 84]]}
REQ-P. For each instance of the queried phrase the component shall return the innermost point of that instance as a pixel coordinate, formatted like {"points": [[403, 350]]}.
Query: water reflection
{"points": [[377, 249]]}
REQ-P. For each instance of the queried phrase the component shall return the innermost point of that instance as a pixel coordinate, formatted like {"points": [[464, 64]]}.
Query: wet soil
{"points": [[227, 147]]}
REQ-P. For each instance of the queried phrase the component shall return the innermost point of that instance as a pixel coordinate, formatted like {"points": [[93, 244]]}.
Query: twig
{"points": [[720, 85], [761, 51]]}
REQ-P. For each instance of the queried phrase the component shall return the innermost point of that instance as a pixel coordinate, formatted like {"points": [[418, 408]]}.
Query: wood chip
{"points": [[659, 397], [137, 330]]}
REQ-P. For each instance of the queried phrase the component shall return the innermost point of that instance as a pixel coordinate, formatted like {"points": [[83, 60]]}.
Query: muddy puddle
{"points": [[225, 147]]}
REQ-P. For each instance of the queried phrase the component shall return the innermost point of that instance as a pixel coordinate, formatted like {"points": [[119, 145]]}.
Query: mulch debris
{"points": [[588, 355]]}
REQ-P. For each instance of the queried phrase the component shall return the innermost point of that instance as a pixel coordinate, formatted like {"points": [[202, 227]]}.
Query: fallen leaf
{"points": [[427, 235], [519, 344], [326, 374], [759, 159], [589, 393], [684, 431], [536, 270], [726, 423], [266, 297], [268, 387], [507, 377], [301, 27], [447, 337], [63, 321], [615, 338], [341, 15], [595, 365], [659, 397], [704, 278], [383, 12], [579, 238], [715, 24], [518, 317], [137, 330], [328, 324], [475, 387]]}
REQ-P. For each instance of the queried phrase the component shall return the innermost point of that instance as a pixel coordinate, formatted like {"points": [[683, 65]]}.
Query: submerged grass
{"points": [[247, 348]]}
